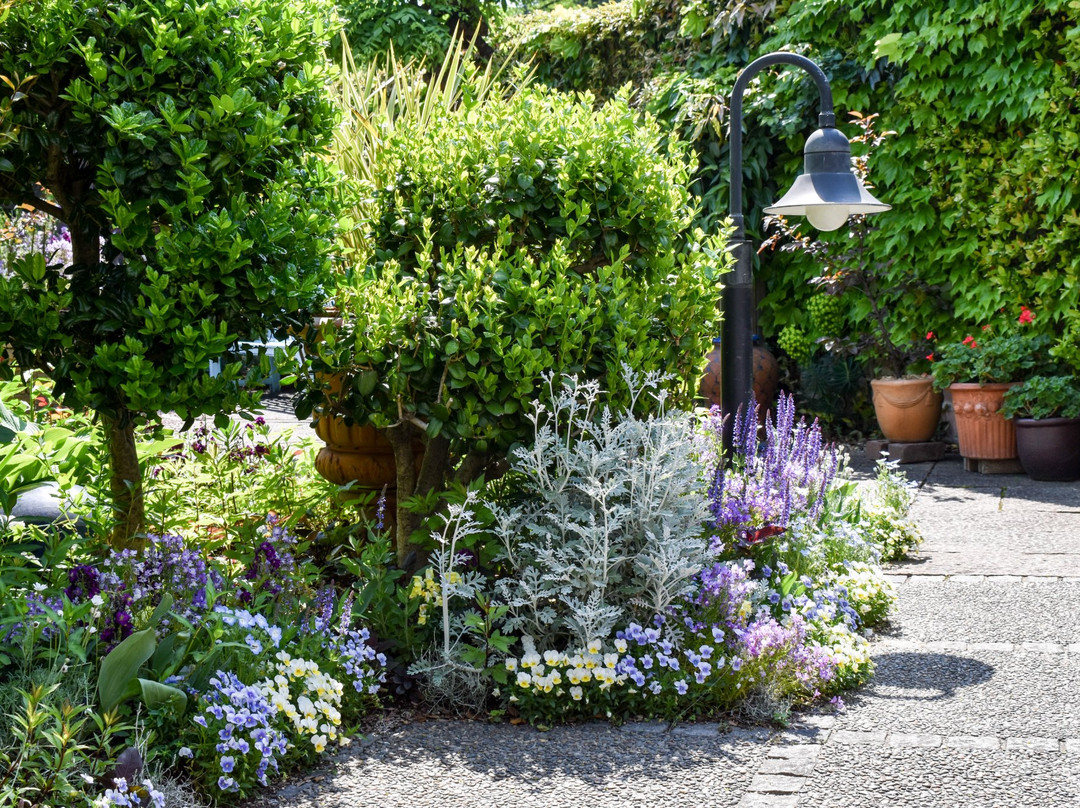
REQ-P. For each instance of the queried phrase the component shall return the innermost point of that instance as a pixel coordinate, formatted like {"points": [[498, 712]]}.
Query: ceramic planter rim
{"points": [[1055, 421]]}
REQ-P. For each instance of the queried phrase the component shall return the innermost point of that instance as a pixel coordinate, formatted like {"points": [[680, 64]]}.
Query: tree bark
{"points": [[414, 482], [125, 483]]}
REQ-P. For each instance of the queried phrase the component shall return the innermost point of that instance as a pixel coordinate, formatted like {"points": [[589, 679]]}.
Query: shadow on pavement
{"points": [[925, 675]]}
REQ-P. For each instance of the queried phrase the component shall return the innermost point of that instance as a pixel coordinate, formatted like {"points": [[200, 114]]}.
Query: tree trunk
{"points": [[125, 483], [413, 482]]}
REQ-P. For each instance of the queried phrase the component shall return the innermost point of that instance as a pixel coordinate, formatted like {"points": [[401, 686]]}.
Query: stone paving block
{"points": [[966, 579], [896, 580], [893, 777], [991, 646], [972, 742], [1003, 579], [1072, 746], [993, 466], [756, 800], [969, 693], [987, 612], [703, 730], [1073, 648], [651, 727], [905, 453], [793, 768], [938, 563], [1042, 647], [801, 753], [914, 740], [802, 735], [776, 784], [819, 721], [857, 737], [1033, 744], [749, 735], [946, 645]]}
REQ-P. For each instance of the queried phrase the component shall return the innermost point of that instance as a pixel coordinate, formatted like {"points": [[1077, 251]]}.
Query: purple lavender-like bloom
{"points": [[786, 480], [324, 610], [380, 511]]}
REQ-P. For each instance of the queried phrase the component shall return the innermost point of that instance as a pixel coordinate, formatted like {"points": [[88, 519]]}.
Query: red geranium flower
{"points": [[1026, 316]]}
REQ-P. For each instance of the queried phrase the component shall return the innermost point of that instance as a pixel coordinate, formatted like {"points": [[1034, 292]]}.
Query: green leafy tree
{"points": [[512, 238], [180, 142]]}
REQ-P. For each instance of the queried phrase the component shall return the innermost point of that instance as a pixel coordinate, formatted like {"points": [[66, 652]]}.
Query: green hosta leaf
{"points": [[156, 695], [120, 667]]}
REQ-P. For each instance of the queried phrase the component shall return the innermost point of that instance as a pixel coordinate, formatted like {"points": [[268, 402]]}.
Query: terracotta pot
{"points": [[766, 378], [907, 410], [354, 453], [1049, 448], [982, 432], [711, 383]]}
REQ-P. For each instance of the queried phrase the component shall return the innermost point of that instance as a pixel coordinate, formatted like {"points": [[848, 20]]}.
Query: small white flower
{"points": [[97, 600], [39, 587]]}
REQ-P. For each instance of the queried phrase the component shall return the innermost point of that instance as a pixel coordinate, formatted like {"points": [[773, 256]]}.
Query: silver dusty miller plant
{"points": [[452, 670], [614, 528]]}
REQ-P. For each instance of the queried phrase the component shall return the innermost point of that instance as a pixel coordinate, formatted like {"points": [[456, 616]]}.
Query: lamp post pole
{"points": [[737, 346]]}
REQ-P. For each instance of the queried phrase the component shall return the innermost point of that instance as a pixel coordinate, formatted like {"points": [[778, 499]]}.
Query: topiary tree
{"points": [[511, 238], [179, 141]]}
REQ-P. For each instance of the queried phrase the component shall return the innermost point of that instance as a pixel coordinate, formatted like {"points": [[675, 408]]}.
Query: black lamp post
{"points": [[826, 193]]}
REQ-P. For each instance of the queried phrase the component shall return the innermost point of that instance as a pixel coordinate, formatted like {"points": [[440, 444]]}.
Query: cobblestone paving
{"points": [[976, 701]]}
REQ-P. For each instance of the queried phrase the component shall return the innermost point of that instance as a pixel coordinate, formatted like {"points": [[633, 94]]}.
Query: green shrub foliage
{"points": [[519, 237], [180, 142], [982, 172], [416, 31]]}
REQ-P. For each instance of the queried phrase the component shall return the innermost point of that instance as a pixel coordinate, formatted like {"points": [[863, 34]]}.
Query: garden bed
{"points": [[620, 570]]}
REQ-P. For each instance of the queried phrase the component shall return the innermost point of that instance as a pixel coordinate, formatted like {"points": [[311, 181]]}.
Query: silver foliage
{"points": [[614, 528]]}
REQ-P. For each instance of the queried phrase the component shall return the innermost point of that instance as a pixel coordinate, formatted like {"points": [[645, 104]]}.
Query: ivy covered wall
{"points": [[984, 97]]}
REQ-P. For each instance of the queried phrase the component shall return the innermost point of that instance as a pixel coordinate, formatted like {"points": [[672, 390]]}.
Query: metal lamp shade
{"points": [[827, 191]]}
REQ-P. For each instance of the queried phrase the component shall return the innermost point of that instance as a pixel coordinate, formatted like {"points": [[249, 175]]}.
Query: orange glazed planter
{"points": [[982, 431], [907, 410], [360, 454]]}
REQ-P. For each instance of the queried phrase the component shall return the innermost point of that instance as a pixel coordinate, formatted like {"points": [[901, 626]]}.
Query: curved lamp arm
{"points": [[737, 347], [826, 118]]}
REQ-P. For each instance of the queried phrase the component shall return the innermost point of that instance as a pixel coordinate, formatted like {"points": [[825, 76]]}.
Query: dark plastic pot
{"points": [[1049, 448]]}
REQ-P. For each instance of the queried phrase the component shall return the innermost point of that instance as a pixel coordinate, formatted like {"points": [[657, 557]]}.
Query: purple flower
{"points": [[84, 582], [788, 477]]}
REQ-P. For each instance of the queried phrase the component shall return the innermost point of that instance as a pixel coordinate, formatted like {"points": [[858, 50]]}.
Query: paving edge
{"points": [[886, 644], [898, 578], [792, 753]]}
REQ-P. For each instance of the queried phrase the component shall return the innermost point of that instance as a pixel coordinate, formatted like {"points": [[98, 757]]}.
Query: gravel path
{"points": [[976, 701]]}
